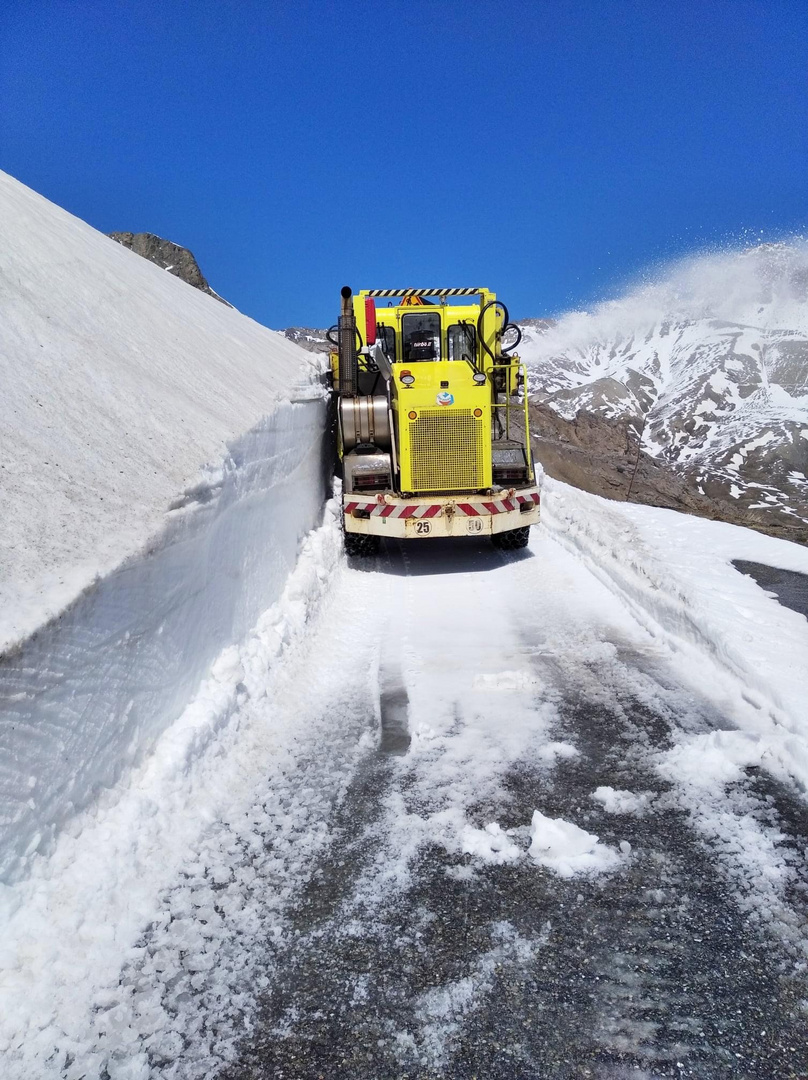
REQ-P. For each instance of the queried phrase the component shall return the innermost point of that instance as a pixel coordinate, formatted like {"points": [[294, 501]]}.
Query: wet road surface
{"points": [[789, 587]]}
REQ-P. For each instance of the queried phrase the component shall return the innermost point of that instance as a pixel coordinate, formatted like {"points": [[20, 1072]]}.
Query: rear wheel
{"points": [[361, 543], [512, 539]]}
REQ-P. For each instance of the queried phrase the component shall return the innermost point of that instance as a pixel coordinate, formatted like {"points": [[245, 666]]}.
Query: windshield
{"points": [[421, 337], [461, 342]]}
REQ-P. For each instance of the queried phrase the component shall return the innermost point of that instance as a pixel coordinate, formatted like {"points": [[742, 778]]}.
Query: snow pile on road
{"points": [[162, 460], [561, 846], [735, 644]]}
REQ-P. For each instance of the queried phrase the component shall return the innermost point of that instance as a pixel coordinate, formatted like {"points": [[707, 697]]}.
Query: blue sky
{"points": [[548, 150]]}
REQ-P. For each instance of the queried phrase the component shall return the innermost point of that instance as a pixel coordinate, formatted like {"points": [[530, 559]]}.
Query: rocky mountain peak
{"points": [[177, 260], [312, 340]]}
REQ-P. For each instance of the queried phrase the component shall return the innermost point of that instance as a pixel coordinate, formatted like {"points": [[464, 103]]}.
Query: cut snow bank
{"points": [[121, 382], [735, 643], [143, 934]]}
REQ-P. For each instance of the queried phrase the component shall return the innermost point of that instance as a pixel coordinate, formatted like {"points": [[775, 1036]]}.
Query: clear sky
{"points": [[547, 150]]}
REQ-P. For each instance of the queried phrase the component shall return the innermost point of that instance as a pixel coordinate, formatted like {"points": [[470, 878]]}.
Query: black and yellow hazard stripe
{"points": [[424, 292]]}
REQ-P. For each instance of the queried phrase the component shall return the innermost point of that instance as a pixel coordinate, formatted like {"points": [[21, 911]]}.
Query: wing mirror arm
{"points": [[381, 361]]}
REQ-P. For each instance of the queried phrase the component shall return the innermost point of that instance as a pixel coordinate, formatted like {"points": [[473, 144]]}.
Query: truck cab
{"points": [[433, 430]]}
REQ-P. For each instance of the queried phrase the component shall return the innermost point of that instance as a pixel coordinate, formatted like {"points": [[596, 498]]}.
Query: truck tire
{"points": [[360, 544], [513, 539]]}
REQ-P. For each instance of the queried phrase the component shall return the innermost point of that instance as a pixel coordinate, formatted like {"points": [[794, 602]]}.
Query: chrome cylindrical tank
{"points": [[365, 420]]}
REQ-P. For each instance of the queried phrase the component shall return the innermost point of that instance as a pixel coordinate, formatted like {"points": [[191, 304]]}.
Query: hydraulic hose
{"points": [[335, 342], [491, 303], [511, 326]]}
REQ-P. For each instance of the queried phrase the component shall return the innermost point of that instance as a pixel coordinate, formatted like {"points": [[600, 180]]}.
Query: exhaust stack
{"points": [[348, 367]]}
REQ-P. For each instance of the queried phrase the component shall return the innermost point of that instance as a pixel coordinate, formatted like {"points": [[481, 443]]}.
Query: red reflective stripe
{"points": [[536, 497], [507, 504], [432, 510], [387, 511], [350, 507], [467, 508], [408, 511], [491, 508], [370, 320]]}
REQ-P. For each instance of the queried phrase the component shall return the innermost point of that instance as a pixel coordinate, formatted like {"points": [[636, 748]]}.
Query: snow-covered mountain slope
{"points": [[711, 364], [162, 458], [119, 384]]}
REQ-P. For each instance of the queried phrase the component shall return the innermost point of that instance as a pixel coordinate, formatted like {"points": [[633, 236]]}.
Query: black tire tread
{"points": [[361, 544], [513, 539]]}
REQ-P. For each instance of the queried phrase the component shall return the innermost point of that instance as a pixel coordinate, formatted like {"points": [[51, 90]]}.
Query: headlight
{"points": [[479, 377]]}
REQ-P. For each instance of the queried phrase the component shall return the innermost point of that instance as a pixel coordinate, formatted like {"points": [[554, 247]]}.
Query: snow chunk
{"points": [[554, 750], [615, 801], [715, 758], [490, 843], [509, 681], [567, 849]]}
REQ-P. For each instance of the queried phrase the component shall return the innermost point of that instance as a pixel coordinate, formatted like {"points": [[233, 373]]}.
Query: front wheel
{"points": [[361, 544], [513, 539]]}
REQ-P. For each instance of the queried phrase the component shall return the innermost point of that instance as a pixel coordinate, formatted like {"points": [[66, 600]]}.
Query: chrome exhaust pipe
{"points": [[348, 382]]}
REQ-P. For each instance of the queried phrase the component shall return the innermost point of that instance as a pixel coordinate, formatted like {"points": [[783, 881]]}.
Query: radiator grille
{"points": [[447, 450]]}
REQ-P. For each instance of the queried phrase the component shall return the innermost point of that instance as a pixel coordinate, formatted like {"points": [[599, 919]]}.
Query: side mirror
{"points": [[382, 363]]}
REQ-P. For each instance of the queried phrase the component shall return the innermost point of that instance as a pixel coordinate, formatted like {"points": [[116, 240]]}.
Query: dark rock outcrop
{"points": [[311, 340], [177, 260]]}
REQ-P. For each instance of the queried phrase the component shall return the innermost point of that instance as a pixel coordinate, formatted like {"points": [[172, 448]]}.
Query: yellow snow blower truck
{"points": [[432, 418]]}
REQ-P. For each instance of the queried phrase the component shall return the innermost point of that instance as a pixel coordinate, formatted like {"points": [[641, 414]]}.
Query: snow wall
{"points": [[163, 458], [89, 694]]}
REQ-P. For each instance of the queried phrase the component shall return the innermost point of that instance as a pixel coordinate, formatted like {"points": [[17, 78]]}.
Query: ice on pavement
{"points": [[566, 848], [151, 917], [441, 1011]]}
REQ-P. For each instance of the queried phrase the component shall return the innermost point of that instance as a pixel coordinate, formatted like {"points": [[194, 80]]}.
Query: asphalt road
{"points": [[410, 959], [788, 586]]}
